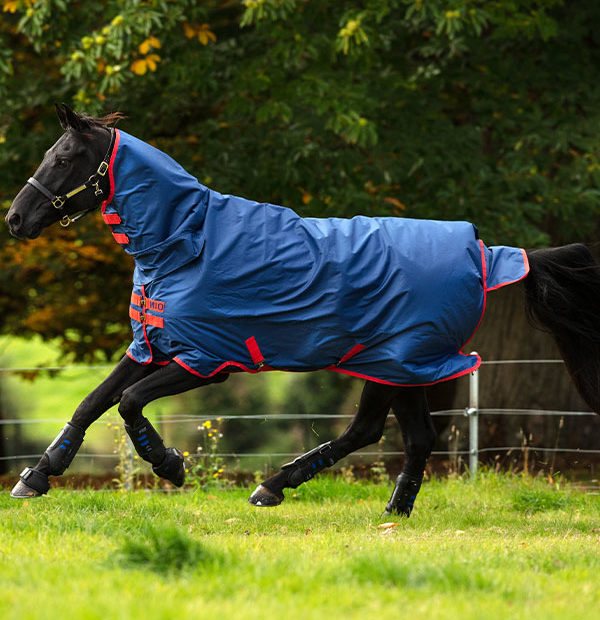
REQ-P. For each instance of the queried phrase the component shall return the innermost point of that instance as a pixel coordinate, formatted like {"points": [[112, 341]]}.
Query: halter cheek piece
{"points": [[58, 202]]}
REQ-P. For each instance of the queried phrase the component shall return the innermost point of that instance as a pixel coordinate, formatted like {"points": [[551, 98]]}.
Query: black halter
{"points": [[58, 202]]}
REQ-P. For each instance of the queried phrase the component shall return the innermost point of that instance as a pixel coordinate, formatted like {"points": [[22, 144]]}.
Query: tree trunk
{"points": [[505, 334]]}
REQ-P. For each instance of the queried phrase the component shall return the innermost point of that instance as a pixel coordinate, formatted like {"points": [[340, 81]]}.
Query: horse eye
{"points": [[62, 163]]}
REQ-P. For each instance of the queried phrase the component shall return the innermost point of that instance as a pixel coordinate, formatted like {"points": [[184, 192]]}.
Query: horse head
{"points": [[71, 179]]}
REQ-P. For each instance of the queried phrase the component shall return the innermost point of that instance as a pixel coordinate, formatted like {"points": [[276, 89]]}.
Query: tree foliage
{"points": [[485, 110]]}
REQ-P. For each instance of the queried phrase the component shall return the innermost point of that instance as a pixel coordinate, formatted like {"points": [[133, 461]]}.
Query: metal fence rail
{"points": [[472, 411]]}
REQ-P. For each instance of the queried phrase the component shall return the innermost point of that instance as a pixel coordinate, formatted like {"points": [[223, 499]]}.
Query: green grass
{"points": [[503, 547]]}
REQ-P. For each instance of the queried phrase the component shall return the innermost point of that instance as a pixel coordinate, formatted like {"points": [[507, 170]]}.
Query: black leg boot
{"points": [[58, 456], [404, 495], [292, 475], [167, 463]]}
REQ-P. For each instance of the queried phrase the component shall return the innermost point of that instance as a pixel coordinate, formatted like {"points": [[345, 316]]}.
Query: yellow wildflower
{"points": [[207, 424], [117, 20]]}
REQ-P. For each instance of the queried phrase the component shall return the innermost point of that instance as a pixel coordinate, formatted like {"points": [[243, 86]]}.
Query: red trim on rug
{"points": [[525, 264], [375, 380], [221, 367], [130, 356], [355, 350], [111, 174], [484, 276]]}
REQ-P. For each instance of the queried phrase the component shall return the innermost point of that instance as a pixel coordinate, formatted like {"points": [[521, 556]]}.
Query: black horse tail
{"points": [[563, 297]]}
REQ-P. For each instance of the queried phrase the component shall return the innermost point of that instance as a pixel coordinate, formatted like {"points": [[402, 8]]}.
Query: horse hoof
{"points": [[264, 498], [172, 467], [397, 512], [22, 491]]}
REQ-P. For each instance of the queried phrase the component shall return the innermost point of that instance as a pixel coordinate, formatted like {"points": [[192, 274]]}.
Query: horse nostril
{"points": [[14, 221]]}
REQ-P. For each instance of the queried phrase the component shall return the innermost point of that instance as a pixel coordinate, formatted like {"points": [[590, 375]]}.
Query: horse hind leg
{"points": [[366, 428], [412, 412], [295, 473]]}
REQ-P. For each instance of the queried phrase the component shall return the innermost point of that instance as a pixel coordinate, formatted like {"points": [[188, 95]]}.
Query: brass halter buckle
{"points": [[97, 190], [65, 221], [58, 202]]}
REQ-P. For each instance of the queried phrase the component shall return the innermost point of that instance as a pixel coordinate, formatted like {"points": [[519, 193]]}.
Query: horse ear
{"points": [[62, 115], [69, 119]]}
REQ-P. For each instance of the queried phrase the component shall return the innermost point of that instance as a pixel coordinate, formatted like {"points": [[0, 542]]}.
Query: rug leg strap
{"points": [[404, 495]]}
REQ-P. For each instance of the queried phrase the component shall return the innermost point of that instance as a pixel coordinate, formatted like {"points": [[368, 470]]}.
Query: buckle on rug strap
{"points": [[146, 319]]}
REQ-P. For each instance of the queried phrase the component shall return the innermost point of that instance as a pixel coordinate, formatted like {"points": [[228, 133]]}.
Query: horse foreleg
{"points": [[366, 428], [172, 379], [412, 412], [61, 452]]}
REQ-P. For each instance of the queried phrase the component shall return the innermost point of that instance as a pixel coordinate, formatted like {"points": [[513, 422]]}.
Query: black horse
{"points": [[562, 294]]}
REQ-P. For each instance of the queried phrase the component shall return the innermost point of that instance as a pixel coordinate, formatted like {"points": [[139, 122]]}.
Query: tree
{"points": [[449, 109]]}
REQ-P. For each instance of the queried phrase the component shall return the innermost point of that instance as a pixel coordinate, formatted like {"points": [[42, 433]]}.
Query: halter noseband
{"points": [[58, 202]]}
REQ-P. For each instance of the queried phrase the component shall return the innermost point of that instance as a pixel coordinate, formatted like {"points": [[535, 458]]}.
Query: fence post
{"points": [[473, 415]]}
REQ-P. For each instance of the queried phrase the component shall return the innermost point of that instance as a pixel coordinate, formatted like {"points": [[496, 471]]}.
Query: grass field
{"points": [[503, 547]]}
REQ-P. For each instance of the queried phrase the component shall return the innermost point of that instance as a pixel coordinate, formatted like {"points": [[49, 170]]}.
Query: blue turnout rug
{"points": [[222, 283]]}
